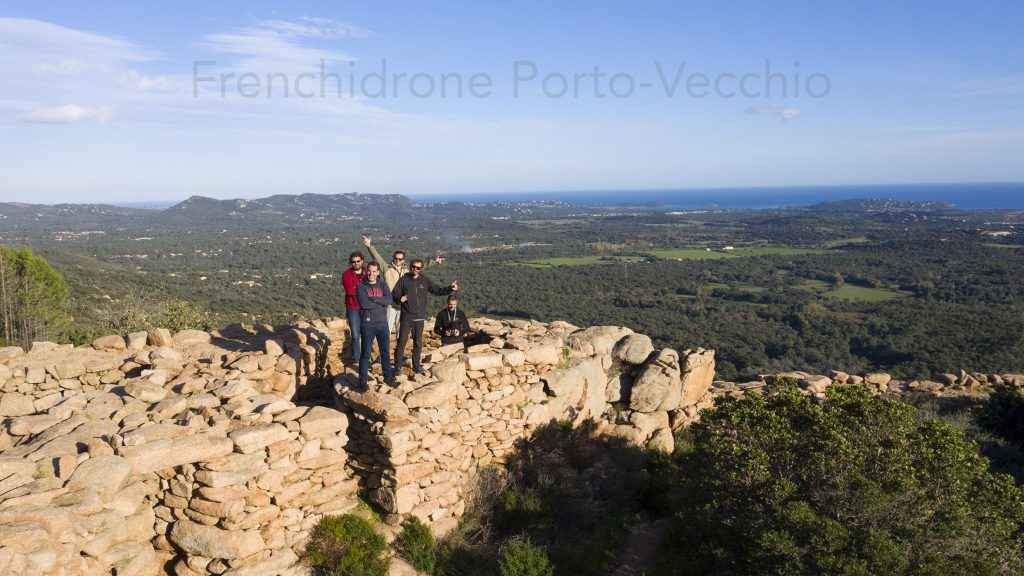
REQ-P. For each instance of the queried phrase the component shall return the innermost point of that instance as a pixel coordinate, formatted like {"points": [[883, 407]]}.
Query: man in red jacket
{"points": [[351, 278]]}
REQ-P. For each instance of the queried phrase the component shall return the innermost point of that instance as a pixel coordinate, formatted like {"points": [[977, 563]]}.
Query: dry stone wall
{"points": [[215, 453], [180, 454], [417, 447]]}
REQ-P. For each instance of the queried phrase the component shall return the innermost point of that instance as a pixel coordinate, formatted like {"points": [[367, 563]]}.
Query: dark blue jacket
{"points": [[374, 300]]}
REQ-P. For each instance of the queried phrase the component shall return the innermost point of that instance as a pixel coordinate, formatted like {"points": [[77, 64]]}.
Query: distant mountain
{"points": [[61, 216], [286, 207], [882, 205]]}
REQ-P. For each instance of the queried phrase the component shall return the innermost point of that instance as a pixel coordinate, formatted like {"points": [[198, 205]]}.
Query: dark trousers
{"points": [[356, 333], [382, 333], [405, 325]]}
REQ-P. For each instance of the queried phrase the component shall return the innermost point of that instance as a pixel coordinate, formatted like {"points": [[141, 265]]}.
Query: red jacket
{"points": [[351, 279]]}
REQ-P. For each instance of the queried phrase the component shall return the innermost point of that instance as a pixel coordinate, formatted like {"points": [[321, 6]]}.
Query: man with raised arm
{"points": [[394, 271], [374, 300], [411, 293]]}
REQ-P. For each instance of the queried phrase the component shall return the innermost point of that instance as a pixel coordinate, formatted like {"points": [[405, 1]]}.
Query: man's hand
{"points": [[404, 298], [439, 259], [455, 286], [367, 241]]}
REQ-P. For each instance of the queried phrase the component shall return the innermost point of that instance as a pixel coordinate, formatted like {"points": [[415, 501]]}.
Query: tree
{"points": [[32, 296], [853, 485]]}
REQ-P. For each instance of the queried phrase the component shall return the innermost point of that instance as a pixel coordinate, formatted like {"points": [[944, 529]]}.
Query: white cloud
{"points": [[1004, 86], [145, 82], [68, 114], [785, 113], [68, 67], [281, 46]]}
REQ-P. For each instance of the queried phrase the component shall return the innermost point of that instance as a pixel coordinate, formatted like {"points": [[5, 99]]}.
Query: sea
{"points": [[967, 196], [976, 196]]}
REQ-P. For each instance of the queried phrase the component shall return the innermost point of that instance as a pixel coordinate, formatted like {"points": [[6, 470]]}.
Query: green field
{"points": [[748, 251], [995, 245], [552, 222], [845, 242], [863, 294], [578, 261]]}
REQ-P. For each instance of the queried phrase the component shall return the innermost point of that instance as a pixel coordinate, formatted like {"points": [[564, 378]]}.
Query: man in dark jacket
{"points": [[374, 300], [451, 323], [411, 293]]}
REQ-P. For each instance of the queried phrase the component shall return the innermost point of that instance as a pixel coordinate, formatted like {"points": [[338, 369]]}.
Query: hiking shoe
{"points": [[420, 370]]}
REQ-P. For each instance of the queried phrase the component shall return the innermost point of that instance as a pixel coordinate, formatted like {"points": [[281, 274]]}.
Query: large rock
{"points": [[596, 339], [376, 405], [191, 337], [159, 337], [171, 452], [698, 374], [658, 387], [213, 542], [321, 421], [253, 438], [633, 349], [431, 395], [109, 343], [104, 474], [14, 404], [145, 391], [452, 371], [543, 355]]}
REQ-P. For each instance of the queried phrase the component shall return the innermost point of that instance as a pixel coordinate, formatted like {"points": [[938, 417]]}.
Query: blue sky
{"points": [[105, 101]]}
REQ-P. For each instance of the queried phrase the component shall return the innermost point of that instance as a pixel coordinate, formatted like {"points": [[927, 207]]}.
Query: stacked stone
{"points": [[195, 460], [417, 447]]}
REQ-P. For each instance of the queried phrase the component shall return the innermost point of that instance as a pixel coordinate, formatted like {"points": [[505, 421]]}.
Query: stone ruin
{"points": [[216, 453]]}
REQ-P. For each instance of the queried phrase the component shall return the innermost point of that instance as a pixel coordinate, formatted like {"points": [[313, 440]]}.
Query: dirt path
{"points": [[639, 551]]}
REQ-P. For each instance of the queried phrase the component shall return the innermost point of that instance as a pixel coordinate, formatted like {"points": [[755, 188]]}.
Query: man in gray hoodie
{"points": [[374, 300]]}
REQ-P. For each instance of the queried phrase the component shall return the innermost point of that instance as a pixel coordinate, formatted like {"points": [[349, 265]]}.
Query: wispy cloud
{"points": [[281, 46], [1003, 86], [68, 114], [783, 112]]}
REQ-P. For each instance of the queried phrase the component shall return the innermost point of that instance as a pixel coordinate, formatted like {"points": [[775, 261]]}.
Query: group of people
{"points": [[371, 298]]}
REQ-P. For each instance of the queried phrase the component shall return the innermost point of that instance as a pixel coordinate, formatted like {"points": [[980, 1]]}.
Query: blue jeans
{"points": [[353, 324], [382, 333]]}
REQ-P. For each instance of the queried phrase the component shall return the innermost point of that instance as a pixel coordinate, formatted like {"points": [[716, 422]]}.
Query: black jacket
{"points": [[444, 322], [416, 289]]}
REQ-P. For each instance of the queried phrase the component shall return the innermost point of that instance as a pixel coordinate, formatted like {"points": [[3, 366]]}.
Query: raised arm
{"points": [[368, 242]]}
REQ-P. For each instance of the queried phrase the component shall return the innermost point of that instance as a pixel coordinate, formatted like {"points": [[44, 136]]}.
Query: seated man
{"points": [[451, 323]]}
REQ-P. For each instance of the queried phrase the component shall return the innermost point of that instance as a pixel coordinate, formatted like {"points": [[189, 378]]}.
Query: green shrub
{"points": [[415, 543], [524, 559], [1003, 414], [346, 546], [853, 485]]}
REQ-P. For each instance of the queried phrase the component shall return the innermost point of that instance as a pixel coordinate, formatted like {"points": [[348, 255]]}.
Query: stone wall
{"points": [[216, 453], [155, 454], [417, 447]]}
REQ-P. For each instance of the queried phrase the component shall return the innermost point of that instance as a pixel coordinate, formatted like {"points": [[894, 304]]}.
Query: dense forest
{"points": [[914, 289]]}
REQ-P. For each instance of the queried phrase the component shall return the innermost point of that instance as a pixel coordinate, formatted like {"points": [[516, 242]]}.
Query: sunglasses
{"points": [[397, 259], [355, 261], [417, 267]]}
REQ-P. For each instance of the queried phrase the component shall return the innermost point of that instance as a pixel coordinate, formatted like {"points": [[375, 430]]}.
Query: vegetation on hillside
{"points": [[32, 299]]}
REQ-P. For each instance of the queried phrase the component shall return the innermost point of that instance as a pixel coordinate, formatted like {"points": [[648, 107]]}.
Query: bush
{"points": [[415, 543], [1003, 414], [524, 559], [346, 546], [853, 485]]}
